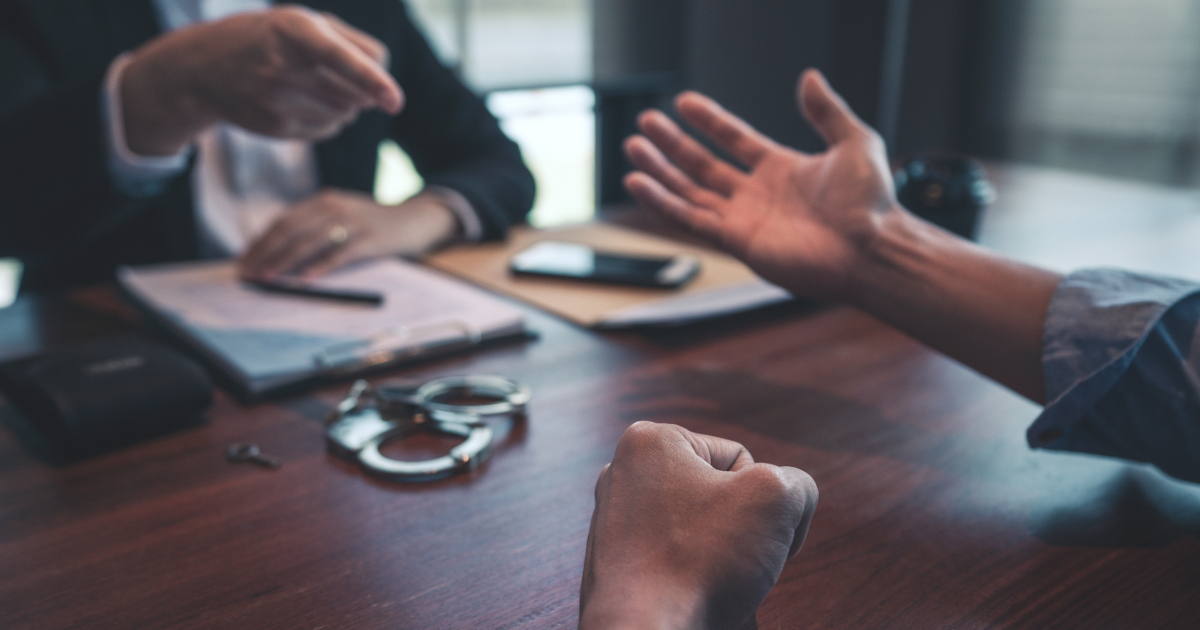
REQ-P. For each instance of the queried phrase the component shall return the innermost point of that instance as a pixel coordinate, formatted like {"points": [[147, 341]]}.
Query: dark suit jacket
{"points": [[58, 210]]}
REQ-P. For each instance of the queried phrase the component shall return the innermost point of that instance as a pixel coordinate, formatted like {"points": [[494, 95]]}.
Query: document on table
{"points": [[269, 340]]}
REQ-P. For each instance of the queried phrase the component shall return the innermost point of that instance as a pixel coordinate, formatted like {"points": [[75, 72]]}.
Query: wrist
{"points": [[897, 248], [467, 224], [161, 115], [441, 220], [637, 607]]}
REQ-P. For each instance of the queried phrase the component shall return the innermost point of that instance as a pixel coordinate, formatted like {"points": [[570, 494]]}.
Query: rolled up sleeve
{"points": [[1121, 357]]}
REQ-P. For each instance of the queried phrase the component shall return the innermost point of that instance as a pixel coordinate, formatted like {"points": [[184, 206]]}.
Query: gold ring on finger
{"points": [[338, 234]]}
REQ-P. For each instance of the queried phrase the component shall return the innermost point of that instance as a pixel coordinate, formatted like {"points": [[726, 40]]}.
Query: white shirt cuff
{"points": [[132, 174], [471, 226]]}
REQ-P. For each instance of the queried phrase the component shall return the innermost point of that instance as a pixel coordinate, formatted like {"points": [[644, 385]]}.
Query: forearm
{"points": [[960, 299], [635, 607]]}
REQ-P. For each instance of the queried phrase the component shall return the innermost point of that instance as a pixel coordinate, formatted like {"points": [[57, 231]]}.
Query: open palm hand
{"points": [[798, 220]]}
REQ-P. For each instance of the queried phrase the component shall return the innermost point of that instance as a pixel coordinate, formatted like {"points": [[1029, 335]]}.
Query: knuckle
{"points": [[293, 13], [291, 221], [640, 429], [871, 139], [642, 434], [768, 480], [809, 485]]}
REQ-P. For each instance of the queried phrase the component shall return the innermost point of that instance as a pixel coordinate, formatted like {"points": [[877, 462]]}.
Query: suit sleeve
{"points": [[454, 141], [54, 182]]}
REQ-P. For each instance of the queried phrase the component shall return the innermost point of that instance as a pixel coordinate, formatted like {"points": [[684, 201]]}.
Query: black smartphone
{"points": [[580, 262]]}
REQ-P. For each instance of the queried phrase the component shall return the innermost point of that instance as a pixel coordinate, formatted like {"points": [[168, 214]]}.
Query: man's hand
{"points": [[287, 72], [798, 220], [337, 227], [828, 226], [688, 532]]}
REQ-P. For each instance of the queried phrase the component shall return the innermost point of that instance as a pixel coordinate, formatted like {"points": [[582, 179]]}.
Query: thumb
{"points": [[825, 109], [721, 454]]}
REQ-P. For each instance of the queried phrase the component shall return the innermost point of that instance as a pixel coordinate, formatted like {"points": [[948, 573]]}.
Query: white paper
{"points": [[266, 334]]}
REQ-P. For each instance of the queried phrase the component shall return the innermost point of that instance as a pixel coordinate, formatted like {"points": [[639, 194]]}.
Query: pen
{"points": [[339, 295]]}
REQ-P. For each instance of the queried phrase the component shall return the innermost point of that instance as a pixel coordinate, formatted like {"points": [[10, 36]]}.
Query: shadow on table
{"points": [[707, 330], [1138, 507], [1083, 501]]}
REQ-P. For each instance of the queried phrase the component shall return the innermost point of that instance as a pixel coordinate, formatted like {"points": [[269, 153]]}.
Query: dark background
{"points": [[954, 86]]}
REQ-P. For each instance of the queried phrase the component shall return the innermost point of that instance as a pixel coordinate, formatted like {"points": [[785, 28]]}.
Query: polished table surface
{"points": [[933, 514]]}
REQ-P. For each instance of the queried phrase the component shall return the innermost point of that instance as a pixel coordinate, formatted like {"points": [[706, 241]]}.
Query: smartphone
{"points": [[580, 262]]}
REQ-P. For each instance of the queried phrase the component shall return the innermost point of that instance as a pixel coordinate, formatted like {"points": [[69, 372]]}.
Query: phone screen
{"points": [[571, 260]]}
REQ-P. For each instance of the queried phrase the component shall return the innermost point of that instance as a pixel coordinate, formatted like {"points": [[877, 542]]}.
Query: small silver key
{"points": [[250, 453]]}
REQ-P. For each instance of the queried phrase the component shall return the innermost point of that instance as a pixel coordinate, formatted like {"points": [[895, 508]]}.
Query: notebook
{"points": [[267, 342]]}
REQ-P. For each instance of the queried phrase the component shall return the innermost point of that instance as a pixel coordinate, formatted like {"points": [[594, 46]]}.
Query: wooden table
{"points": [[934, 513]]}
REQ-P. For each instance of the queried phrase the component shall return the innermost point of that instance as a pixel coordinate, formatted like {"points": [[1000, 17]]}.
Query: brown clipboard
{"points": [[591, 304]]}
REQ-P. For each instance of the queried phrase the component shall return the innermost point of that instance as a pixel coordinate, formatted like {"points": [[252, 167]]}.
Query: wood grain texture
{"points": [[933, 514]]}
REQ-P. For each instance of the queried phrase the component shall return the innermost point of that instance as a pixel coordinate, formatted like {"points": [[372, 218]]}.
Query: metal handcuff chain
{"points": [[370, 416]]}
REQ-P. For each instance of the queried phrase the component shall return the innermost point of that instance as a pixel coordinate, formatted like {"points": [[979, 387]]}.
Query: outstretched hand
{"points": [[287, 72], [798, 220], [688, 532], [827, 226]]}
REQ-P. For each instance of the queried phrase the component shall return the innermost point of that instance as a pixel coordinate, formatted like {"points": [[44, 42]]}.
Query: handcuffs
{"points": [[369, 416]]}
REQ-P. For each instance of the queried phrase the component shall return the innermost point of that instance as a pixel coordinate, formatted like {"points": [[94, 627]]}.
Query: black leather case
{"points": [[107, 392]]}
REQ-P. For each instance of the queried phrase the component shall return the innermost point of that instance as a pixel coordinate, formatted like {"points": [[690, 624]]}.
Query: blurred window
{"points": [[1113, 87], [556, 128], [533, 61]]}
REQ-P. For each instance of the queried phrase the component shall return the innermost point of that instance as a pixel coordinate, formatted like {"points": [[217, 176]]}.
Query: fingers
{"points": [[600, 480], [332, 257], [373, 47], [731, 133], [786, 498], [721, 454], [588, 579], [697, 162], [646, 156], [653, 441], [324, 44], [294, 240], [650, 444], [297, 113], [663, 187], [332, 90], [802, 491], [826, 110], [652, 194]]}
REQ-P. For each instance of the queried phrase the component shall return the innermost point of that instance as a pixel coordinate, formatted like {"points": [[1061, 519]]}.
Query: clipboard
{"points": [[264, 344], [724, 285]]}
